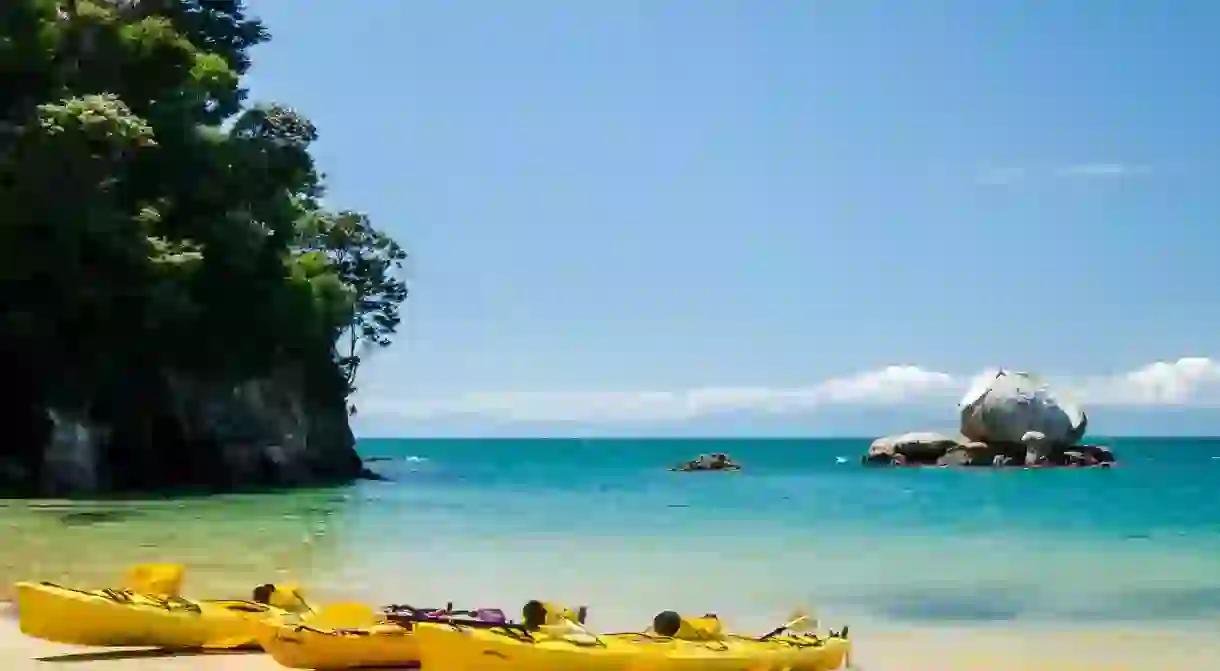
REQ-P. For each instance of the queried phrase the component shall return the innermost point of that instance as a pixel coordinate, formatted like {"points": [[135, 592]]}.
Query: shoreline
{"points": [[879, 645], [918, 648], [229, 543], [1128, 581]]}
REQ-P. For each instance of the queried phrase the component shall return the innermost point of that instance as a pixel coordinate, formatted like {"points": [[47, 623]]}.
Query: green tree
{"points": [[369, 263], [152, 224]]}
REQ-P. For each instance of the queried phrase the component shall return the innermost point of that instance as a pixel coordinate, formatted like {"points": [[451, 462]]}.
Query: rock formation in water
{"points": [[1012, 419], [915, 448], [1011, 404]]}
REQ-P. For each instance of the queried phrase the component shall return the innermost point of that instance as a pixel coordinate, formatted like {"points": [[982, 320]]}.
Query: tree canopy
{"points": [[152, 220]]}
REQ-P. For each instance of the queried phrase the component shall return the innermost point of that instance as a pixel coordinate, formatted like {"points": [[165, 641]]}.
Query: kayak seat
{"points": [[287, 597], [672, 624], [557, 622]]}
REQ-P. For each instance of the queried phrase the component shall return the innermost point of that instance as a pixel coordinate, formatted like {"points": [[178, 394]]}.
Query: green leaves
{"points": [[144, 228], [272, 143], [100, 125], [368, 262], [180, 254]]}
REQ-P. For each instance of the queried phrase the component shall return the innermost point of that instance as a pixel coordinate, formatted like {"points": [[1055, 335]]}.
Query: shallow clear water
{"points": [[604, 523], [230, 543]]}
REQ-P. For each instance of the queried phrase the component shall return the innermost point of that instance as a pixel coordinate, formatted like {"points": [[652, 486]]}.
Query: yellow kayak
{"points": [[558, 647], [147, 613], [302, 646], [340, 636], [351, 635], [813, 653], [109, 617]]}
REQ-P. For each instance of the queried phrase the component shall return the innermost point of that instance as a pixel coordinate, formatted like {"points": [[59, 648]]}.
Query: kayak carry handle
{"points": [[534, 614]]}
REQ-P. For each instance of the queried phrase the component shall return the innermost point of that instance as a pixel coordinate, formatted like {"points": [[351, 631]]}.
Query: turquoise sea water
{"points": [[602, 522]]}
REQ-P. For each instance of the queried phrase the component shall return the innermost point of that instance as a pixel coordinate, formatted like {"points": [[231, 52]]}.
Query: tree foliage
{"points": [[368, 262], [151, 221]]}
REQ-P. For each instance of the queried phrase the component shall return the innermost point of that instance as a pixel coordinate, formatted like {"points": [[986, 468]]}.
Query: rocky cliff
{"points": [[181, 432], [172, 288]]}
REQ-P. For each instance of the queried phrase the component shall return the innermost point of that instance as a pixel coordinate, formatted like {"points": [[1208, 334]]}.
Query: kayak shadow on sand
{"points": [[137, 653]]}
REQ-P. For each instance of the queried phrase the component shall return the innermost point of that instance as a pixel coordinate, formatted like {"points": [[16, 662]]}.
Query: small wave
{"points": [[376, 459]]}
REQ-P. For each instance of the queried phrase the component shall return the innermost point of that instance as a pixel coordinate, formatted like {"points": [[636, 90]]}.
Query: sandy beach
{"points": [[922, 649]]}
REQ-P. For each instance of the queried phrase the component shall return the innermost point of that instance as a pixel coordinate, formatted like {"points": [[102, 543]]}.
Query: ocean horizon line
{"points": [[744, 437]]}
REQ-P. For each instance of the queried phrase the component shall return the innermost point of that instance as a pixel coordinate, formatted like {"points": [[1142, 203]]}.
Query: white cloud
{"points": [[1101, 170], [1009, 175], [1191, 381]]}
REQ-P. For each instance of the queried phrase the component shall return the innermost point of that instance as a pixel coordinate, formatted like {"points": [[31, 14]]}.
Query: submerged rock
{"points": [[1077, 458], [88, 517], [1101, 453], [709, 462]]}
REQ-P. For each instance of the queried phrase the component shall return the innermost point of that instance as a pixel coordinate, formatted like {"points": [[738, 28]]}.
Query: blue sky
{"points": [[656, 198]]}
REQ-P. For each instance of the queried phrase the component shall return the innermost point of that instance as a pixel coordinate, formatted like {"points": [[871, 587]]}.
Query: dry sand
{"points": [[925, 649]]}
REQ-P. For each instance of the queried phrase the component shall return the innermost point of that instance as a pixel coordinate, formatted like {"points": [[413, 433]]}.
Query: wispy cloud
{"points": [[1190, 381], [1007, 175], [1101, 170]]}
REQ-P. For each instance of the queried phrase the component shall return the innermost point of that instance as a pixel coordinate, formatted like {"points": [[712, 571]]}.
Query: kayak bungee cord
{"points": [[171, 602], [132, 599]]}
